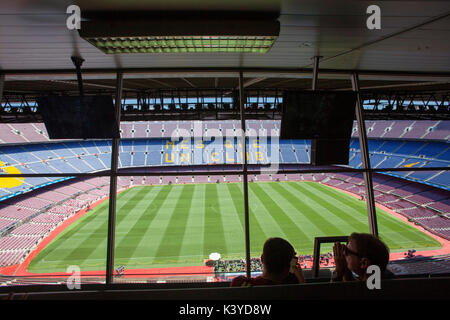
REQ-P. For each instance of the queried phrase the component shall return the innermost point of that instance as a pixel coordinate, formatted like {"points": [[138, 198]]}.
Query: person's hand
{"points": [[296, 269], [339, 260]]}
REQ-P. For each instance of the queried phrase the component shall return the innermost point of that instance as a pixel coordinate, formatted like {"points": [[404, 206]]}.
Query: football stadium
{"points": [[148, 148]]}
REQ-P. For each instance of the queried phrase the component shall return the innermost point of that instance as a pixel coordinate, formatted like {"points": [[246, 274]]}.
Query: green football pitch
{"points": [[180, 225]]}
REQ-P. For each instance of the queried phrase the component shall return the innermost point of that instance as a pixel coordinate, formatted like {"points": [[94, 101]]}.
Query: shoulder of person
{"points": [[241, 281]]}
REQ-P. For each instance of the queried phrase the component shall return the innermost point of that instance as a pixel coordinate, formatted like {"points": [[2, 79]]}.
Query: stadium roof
{"points": [[411, 46]]}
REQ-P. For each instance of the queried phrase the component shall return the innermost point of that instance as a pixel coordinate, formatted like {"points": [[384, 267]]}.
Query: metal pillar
{"points": [[244, 169], [78, 61], [315, 78], [113, 189], [370, 199]]}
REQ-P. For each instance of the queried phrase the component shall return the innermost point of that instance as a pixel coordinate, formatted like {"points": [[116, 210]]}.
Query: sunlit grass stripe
{"points": [[399, 229], [213, 237], [394, 226], [72, 233], [309, 212], [332, 209], [322, 213], [170, 244], [257, 234], [82, 249], [153, 236], [129, 243], [76, 229], [360, 208], [195, 225], [234, 234], [395, 232], [140, 233], [396, 229], [356, 209], [289, 227], [98, 239], [158, 209], [297, 216], [270, 225]]}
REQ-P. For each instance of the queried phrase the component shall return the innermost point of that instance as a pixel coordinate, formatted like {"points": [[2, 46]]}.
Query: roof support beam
{"points": [[252, 82], [92, 85], [288, 73], [165, 84], [407, 85], [188, 82]]}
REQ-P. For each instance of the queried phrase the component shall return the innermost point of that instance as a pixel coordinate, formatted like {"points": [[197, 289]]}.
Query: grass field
{"points": [[180, 225]]}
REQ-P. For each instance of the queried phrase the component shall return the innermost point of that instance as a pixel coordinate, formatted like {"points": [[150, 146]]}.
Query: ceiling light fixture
{"points": [[172, 36]]}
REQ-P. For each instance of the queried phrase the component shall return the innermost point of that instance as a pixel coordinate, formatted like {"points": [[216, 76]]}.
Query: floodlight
{"points": [[181, 36]]}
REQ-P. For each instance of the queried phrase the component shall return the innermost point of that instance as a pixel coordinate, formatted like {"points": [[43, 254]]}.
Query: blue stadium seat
{"points": [[80, 164], [392, 162], [430, 150], [75, 147], [62, 166], [441, 179], [126, 145], [139, 158], [79, 156], [410, 147], [125, 159], [444, 155], [375, 144], [94, 162], [103, 146], [355, 161], [376, 159], [90, 147], [59, 149], [287, 152], [154, 158], [106, 159]]}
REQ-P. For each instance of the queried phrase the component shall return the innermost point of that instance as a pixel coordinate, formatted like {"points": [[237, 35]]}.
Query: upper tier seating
{"points": [[386, 129], [91, 156]]}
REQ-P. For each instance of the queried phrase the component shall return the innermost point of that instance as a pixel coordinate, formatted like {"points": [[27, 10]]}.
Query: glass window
{"points": [[175, 223]]}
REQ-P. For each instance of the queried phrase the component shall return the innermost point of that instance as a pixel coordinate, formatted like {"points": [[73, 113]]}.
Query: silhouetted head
{"points": [[364, 250], [277, 255]]}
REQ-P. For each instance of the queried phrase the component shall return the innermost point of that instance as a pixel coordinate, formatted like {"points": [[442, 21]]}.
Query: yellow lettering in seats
{"points": [[171, 143], [259, 156], [171, 157], [214, 157], [185, 155], [199, 144]]}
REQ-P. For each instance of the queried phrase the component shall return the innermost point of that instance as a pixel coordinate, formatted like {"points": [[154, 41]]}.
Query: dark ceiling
{"points": [[411, 51], [132, 87]]}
